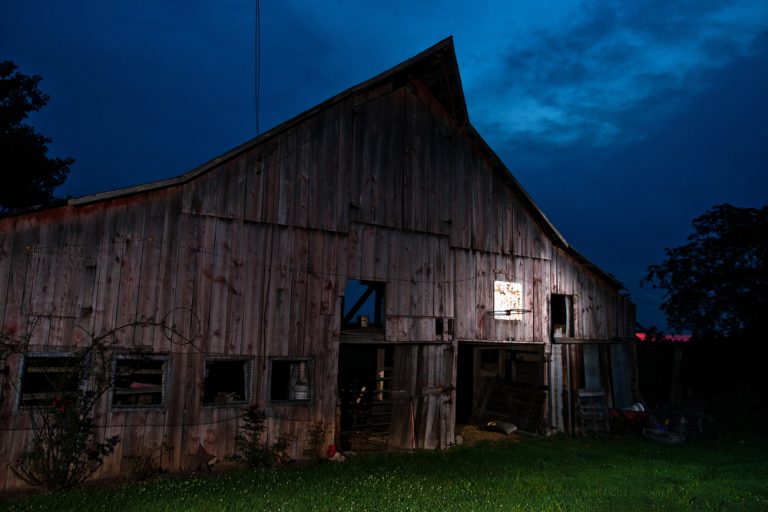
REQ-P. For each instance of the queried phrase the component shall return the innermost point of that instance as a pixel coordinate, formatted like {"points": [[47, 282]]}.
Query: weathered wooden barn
{"points": [[370, 263]]}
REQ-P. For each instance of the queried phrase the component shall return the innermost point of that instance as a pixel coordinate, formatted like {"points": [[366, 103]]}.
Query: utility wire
{"points": [[254, 263]]}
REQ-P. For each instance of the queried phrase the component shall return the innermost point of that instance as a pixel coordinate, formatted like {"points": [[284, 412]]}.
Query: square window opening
{"points": [[226, 381], [443, 326], [46, 378], [139, 381], [292, 380], [363, 305]]}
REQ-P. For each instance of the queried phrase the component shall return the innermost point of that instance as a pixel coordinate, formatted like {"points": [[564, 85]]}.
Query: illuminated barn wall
{"points": [[386, 183]]}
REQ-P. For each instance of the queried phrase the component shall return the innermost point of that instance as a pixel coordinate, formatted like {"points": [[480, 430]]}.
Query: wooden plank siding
{"points": [[600, 313], [251, 256]]}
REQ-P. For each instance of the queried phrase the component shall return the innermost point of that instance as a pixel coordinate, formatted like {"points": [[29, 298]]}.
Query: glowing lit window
{"points": [[507, 300]]}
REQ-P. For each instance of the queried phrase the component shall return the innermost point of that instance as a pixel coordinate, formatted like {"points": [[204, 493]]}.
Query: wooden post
{"points": [[676, 384]]}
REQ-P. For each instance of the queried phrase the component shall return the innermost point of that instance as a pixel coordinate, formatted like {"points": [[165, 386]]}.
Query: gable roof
{"points": [[435, 69]]}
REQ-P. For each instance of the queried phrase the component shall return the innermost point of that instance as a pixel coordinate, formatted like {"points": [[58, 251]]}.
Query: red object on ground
{"points": [[627, 420], [331, 450], [630, 416]]}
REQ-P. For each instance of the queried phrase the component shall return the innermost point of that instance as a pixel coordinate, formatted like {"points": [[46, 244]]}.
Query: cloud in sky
{"points": [[566, 73], [612, 71]]}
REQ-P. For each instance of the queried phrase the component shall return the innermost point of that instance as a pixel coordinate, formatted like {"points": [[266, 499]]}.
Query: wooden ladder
{"points": [[593, 411]]}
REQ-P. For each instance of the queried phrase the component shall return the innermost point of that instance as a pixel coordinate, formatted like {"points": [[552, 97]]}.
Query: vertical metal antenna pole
{"points": [[257, 67]]}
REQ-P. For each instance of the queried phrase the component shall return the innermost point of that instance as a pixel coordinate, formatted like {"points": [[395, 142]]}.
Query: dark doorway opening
{"points": [[365, 395], [464, 384], [501, 383]]}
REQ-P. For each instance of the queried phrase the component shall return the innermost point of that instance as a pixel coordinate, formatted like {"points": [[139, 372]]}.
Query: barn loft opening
{"points": [[562, 316], [363, 305]]}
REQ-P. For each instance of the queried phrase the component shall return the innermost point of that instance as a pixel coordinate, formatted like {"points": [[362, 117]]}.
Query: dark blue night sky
{"points": [[623, 120]]}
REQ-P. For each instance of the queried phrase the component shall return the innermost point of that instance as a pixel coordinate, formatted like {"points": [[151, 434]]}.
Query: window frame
{"points": [[247, 380], [309, 376], [150, 356], [24, 364]]}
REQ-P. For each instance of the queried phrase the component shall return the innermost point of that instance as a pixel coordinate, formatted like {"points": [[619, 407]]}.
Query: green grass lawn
{"points": [[532, 474]]}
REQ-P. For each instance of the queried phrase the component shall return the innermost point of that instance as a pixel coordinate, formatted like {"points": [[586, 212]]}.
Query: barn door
{"points": [[593, 379], [422, 410], [621, 371]]}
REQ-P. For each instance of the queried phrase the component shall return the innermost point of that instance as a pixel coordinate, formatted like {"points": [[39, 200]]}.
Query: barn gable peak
{"points": [[434, 69]]}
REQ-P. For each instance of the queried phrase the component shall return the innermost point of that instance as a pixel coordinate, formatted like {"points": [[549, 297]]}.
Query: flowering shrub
{"points": [[63, 451]]}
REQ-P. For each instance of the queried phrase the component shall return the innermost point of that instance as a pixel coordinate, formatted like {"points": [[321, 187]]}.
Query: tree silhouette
{"points": [[28, 176], [717, 284]]}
